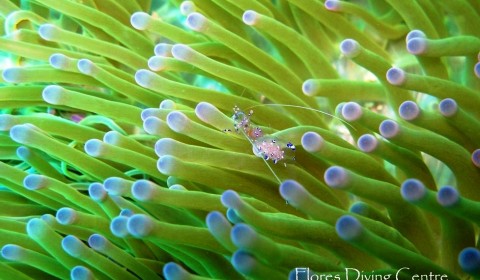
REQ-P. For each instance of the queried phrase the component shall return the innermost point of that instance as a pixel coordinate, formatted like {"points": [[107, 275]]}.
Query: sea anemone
{"points": [[224, 139]]}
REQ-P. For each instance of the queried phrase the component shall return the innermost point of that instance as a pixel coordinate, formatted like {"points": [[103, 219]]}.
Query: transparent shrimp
{"points": [[265, 146], [268, 147]]}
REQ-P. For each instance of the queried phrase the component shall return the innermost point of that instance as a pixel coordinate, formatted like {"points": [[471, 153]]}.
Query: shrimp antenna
{"points": [[306, 108]]}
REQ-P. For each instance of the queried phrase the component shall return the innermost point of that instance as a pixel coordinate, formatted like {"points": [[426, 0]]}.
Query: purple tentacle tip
{"points": [[348, 228]]}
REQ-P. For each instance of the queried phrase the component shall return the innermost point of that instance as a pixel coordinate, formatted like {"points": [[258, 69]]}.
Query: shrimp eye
{"points": [[291, 146]]}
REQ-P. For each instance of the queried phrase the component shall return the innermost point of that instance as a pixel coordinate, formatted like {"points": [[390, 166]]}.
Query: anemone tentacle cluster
{"points": [[120, 158]]}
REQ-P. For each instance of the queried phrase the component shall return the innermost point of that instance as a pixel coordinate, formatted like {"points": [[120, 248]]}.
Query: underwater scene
{"points": [[240, 139]]}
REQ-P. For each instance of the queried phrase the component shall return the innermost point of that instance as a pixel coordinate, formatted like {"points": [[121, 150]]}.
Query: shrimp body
{"points": [[265, 146]]}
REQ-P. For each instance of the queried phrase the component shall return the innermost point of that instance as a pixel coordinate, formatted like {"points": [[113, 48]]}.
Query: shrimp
{"points": [[265, 146]]}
